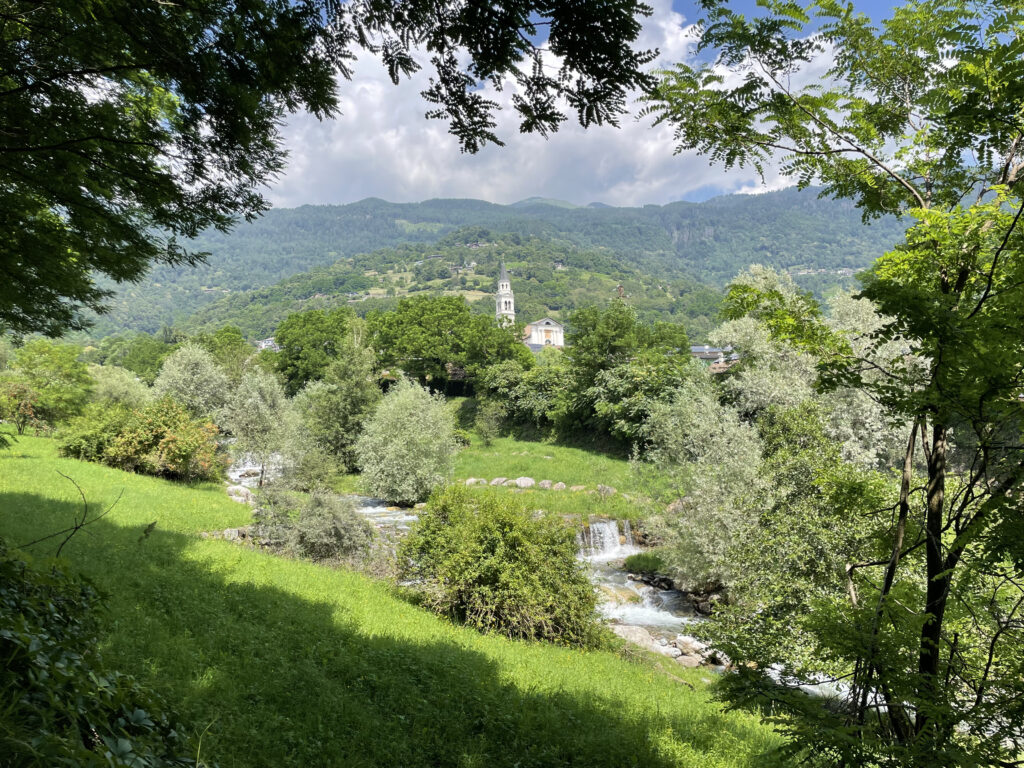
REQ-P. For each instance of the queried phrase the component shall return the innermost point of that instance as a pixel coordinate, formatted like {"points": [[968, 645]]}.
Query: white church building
{"points": [[537, 335]]}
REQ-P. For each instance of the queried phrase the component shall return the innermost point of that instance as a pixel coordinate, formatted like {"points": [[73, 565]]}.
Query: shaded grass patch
{"points": [[290, 663]]}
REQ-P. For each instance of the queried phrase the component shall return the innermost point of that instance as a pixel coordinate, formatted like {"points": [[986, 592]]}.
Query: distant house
{"points": [[270, 344], [718, 359], [544, 333]]}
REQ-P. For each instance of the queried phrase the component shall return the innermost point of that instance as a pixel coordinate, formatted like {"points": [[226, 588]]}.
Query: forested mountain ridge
{"points": [[550, 277], [708, 241]]}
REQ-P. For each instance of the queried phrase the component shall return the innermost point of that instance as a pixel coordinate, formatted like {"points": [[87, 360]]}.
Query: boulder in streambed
{"points": [[636, 635]]}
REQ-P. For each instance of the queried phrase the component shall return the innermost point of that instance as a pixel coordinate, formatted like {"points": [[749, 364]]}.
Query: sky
{"points": [[382, 146]]}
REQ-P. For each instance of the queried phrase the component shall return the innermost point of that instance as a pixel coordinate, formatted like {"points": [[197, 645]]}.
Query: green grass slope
{"points": [[286, 663]]}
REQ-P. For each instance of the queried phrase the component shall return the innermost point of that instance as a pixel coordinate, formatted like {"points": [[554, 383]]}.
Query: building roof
{"points": [[504, 273], [545, 321]]}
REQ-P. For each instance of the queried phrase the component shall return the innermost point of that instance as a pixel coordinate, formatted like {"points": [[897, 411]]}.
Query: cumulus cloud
{"points": [[382, 146]]}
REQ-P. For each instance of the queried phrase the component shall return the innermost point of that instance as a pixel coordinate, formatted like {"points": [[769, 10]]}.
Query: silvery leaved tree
{"points": [[922, 116]]}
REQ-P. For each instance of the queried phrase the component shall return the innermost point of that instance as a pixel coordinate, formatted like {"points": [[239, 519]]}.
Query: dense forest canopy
{"points": [[821, 241]]}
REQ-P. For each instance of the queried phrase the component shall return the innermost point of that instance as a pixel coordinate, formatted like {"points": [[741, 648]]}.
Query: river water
{"points": [[603, 545]]}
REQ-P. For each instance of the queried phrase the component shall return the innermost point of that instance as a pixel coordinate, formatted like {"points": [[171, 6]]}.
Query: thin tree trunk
{"points": [[896, 714], [939, 579]]}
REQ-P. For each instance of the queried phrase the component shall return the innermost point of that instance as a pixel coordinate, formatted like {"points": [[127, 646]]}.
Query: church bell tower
{"points": [[505, 302]]}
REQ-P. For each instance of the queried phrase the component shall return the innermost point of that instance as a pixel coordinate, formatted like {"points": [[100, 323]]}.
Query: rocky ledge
{"points": [[685, 650]]}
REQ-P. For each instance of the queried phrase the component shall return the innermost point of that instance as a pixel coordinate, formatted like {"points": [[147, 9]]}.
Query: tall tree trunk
{"points": [[937, 592]]}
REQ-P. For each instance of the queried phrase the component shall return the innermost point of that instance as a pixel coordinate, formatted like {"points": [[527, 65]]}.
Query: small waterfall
{"points": [[600, 540]]}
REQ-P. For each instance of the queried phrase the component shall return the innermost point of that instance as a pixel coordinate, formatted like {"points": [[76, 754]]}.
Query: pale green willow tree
{"points": [[254, 414], [921, 116]]}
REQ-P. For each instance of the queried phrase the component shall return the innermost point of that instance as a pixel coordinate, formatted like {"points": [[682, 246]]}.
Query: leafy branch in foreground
{"points": [[923, 116], [61, 705], [129, 127]]}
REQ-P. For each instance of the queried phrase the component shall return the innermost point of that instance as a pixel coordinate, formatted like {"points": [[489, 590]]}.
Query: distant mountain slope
{"points": [[707, 241], [549, 277]]}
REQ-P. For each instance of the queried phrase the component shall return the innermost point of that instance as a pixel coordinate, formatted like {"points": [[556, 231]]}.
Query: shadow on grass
{"points": [[286, 680]]}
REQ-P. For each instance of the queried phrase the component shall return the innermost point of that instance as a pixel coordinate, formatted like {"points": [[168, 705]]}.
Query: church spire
{"points": [[504, 301]]}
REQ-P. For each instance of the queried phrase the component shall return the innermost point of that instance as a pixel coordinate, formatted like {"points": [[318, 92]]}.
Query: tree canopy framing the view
{"points": [[131, 127], [922, 115]]}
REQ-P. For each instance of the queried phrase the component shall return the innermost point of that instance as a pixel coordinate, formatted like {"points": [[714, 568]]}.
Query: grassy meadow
{"points": [[282, 662]]}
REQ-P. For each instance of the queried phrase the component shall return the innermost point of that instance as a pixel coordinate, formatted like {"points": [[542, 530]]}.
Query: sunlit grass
{"points": [[292, 664]]}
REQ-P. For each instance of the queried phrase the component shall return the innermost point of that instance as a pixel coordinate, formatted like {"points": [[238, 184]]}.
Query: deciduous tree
{"points": [[921, 115], [130, 127]]}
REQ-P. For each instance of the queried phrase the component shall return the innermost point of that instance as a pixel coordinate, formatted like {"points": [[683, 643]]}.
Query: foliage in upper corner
{"points": [[490, 563], [129, 126], [61, 705]]}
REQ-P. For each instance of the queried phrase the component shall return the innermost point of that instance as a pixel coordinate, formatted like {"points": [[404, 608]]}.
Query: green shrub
{"points": [[60, 706], [462, 438], [115, 384], [645, 562], [319, 526], [408, 445], [490, 415], [491, 564], [161, 439], [90, 435]]}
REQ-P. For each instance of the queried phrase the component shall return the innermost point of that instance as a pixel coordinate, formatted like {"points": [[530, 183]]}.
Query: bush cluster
{"points": [[320, 526], [408, 445], [160, 439], [490, 563], [60, 706]]}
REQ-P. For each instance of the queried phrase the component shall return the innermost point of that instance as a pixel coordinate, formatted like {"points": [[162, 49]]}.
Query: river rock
{"points": [[669, 650], [690, 645], [525, 482], [689, 661], [233, 534], [631, 634], [476, 481], [240, 494], [558, 487], [499, 481], [578, 488], [545, 485], [717, 658], [605, 490]]}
